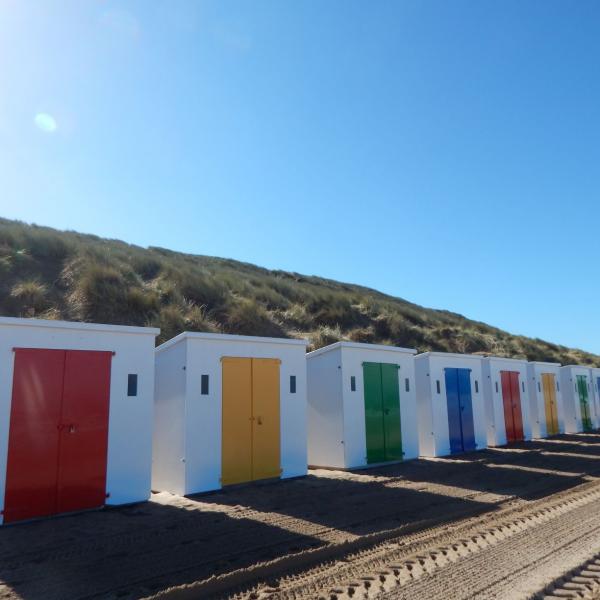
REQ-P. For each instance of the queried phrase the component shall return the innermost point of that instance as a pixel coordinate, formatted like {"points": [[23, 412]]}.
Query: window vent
{"points": [[204, 385], [132, 384]]}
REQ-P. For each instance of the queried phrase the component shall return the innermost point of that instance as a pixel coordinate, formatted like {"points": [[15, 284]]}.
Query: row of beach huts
{"points": [[94, 415]]}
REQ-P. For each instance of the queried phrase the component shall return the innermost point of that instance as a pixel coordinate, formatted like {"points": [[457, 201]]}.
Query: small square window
{"points": [[292, 384], [132, 384], [476, 386], [407, 385], [438, 387], [204, 385], [352, 383]]}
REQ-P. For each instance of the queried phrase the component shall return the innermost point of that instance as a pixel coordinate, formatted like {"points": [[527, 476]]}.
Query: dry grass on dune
{"points": [[66, 275]]}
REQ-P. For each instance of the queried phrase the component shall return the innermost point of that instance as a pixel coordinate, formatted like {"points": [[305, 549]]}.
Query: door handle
{"points": [[259, 420], [70, 427]]}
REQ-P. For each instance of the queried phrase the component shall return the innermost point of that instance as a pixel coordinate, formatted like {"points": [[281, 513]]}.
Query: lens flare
{"points": [[45, 122]]}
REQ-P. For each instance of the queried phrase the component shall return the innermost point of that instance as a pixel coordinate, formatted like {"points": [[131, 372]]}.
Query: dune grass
{"points": [[54, 274]]}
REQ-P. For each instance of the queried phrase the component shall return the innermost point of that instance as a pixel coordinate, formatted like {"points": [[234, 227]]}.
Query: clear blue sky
{"points": [[444, 152]]}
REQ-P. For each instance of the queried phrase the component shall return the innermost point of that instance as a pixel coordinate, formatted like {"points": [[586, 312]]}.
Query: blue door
{"points": [[453, 402], [466, 409], [460, 410]]}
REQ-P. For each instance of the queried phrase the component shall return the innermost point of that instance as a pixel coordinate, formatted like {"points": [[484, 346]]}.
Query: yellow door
{"points": [[550, 403], [236, 456], [265, 424]]}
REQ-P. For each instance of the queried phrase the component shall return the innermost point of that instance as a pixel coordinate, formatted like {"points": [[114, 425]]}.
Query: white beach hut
{"points": [[76, 405], [361, 405]]}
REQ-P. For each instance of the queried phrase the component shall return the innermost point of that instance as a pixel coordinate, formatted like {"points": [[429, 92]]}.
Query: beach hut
{"points": [[545, 399], [450, 406], [361, 405], [228, 409], [506, 400], [76, 403], [578, 398]]}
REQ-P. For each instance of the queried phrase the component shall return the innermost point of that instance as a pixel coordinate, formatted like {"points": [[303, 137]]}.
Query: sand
{"points": [[294, 539]]}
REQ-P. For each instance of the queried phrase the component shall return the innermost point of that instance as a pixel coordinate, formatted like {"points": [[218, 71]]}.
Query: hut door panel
{"points": [[236, 456], [549, 388], [466, 409], [584, 402], [547, 405], [391, 412], [373, 394], [516, 406], [511, 399], [266, 427], [453, 404], [507, 402], [460, 410], [551, 378], [31, 472], [83, 431]]}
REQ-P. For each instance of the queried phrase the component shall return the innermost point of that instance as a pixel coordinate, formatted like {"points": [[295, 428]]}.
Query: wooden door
{"points": [[236, 445], [32, 466], [83, 432], [266, 426]]}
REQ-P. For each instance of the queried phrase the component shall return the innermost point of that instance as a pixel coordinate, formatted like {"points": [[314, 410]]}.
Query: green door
{"points": [[582, 389], [382, 412], [374, 412], [391, 412]]}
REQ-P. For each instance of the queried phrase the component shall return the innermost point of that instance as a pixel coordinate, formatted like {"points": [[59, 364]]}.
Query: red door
{"points": [[84, 431], [58, 432], [516, 406], [33, 435], [511, 398]]}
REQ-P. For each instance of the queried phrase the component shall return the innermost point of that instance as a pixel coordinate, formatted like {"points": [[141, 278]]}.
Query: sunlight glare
{"points": [[45, 122]]}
